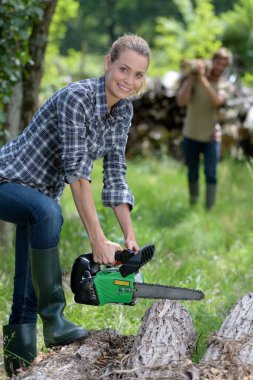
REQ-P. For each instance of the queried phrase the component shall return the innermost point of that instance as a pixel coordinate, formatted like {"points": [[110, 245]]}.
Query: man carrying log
{"points": [[203, 92]]}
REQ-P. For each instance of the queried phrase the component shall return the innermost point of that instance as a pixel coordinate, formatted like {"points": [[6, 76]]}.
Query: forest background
{"points": [[211, 251], [81, 32]]}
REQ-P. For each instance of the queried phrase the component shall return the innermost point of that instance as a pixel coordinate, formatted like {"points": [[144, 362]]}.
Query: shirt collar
{"points": [[101, 101]]}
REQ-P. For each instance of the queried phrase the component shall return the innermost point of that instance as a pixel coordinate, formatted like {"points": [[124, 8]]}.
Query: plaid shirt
{"points": [[71, 130]]}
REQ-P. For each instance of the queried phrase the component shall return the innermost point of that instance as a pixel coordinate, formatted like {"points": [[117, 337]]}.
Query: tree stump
{"points": [[231, 349], [160, 350], [165, 340]]}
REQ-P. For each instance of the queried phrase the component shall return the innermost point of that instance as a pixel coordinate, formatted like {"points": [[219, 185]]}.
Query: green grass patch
{"points": [[210, 250]]}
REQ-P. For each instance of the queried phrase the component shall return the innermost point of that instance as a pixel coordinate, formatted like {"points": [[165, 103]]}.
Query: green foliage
{"points": [[238, 33], [175, 29], [59, 70], [99, 22], [247, 79], [223, 6], [65, 11], [15, 22], [198, 35]]}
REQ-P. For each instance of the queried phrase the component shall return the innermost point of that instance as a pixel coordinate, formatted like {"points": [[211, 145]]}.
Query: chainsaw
{"points": [[123, 283]]}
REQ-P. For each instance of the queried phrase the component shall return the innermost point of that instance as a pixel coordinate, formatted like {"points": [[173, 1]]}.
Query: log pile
{"points": [[161, 350], [158, 122]]}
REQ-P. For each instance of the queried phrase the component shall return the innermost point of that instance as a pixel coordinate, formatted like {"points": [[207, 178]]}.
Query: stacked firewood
{"points": [[158, 122]]}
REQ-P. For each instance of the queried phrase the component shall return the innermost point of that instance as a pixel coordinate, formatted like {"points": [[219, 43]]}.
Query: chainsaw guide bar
{"points": [[157, 291]]}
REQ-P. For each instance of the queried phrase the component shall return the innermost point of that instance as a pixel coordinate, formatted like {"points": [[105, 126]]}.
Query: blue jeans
{"points": [[211, 152], [38, 221]]}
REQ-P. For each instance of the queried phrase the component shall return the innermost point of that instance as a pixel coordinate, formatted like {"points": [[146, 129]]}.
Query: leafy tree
{"points": [[58, 70], [223, 6], [15, 26], [238, 33], [24, 27], [198, 35], [99, 22]]}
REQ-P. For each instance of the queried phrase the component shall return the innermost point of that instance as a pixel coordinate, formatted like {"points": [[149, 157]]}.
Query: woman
{"points": [[84, 121]]}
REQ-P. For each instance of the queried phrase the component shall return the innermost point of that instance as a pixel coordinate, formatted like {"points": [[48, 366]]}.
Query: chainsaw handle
{"points": [[123, 256], [84, 266]]}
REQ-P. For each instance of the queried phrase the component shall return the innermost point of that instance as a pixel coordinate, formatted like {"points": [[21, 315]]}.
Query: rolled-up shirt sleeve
{"points": [[115, 190], [71, 121]]}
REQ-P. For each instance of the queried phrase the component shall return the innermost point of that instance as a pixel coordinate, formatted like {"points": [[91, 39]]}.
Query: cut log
{"points": [[164, 342], [231, 348]]}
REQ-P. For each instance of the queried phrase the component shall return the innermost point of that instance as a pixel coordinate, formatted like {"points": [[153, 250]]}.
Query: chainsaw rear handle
{"points": [[85, 267]]}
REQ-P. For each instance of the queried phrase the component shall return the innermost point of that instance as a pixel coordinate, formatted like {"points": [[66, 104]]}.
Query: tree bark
{"points": [[12, 126], [165, 340], [11, 130], [96, 357], [231, 349], [6, 235], [33, 71]]}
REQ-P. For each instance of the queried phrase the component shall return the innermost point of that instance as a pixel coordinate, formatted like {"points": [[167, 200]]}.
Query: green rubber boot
{"points": [[193, 192], [19, 346], [47, 282], [210, 195]]}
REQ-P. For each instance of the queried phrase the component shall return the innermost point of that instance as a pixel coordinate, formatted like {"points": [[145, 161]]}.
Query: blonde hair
{"points": [[129, 41], [135, 43]]}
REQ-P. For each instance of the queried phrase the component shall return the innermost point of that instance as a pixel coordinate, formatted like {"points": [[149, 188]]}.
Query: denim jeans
{"points": [[38, 221], [211, 152]]}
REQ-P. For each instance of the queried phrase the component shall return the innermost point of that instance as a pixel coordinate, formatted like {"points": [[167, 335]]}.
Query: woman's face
{"points": [[125, 76]]}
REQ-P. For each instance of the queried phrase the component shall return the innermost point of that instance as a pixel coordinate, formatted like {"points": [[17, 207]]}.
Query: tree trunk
{"points": [[11, 129], [12, 126], [33, 71], [6, 235]]}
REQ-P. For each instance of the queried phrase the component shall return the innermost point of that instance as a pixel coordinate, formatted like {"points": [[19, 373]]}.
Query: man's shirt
{"points": [[202, 115], [68, 132]]}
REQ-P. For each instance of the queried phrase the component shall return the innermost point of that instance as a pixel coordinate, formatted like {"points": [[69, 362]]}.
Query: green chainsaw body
{"points": [[112, 287], [93, 285]]}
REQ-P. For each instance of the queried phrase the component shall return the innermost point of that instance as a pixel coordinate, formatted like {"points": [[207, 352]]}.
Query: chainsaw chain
{"points": [[171, 287]]}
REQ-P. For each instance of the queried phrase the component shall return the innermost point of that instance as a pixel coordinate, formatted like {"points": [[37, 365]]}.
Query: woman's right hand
{"points": [[104, 251]]}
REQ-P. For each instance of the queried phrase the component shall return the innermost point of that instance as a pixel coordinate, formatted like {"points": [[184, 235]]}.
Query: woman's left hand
{"points": [[132, 244]]}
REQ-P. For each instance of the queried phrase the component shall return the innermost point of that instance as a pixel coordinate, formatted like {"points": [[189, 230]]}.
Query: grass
{"points": [[210, 250]]}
